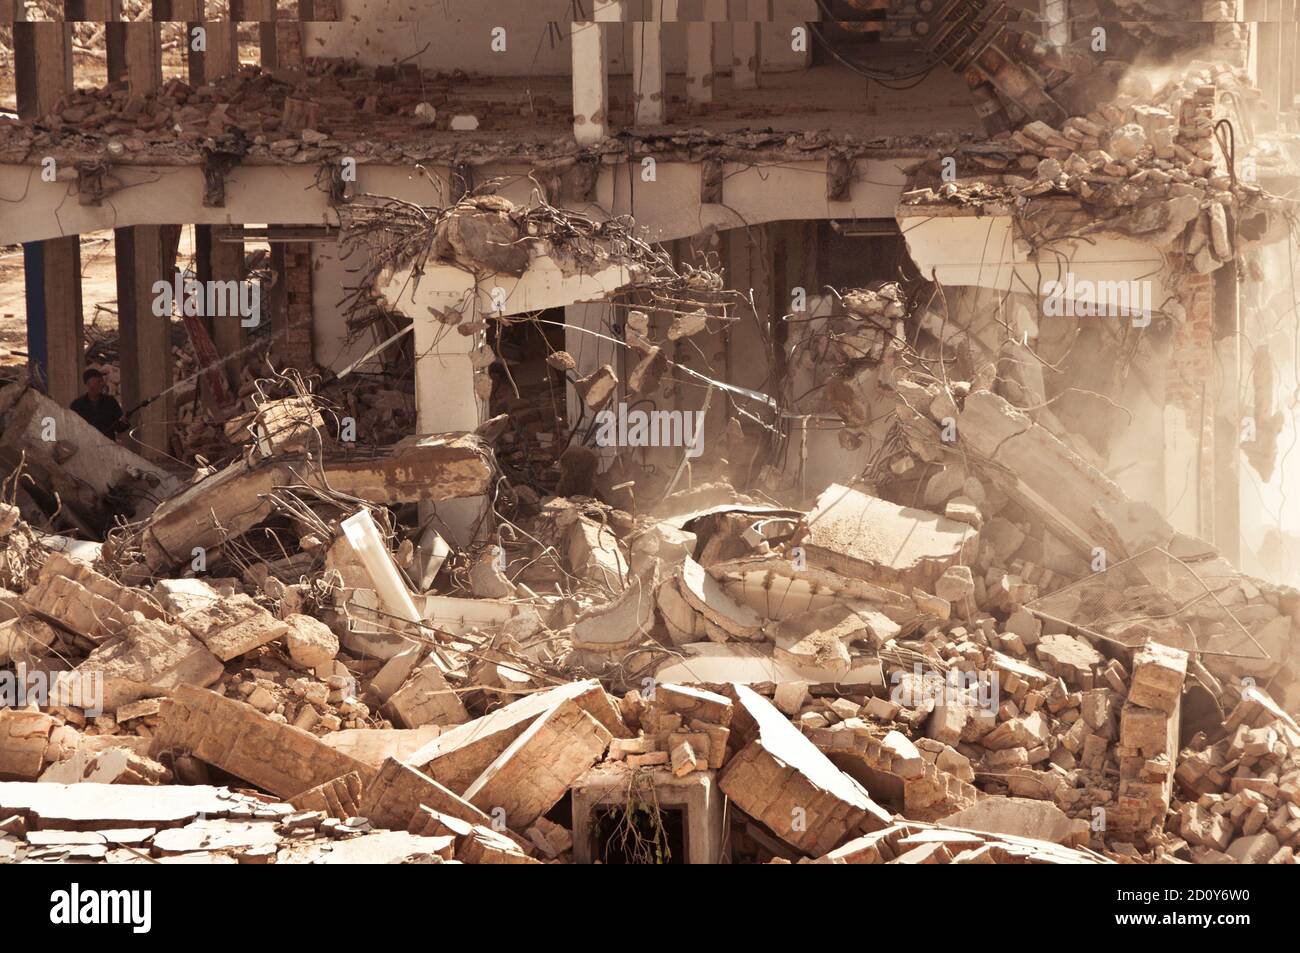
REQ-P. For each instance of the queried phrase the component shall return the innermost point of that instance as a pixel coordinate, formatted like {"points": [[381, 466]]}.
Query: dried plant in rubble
{"points": [[639, 812]]}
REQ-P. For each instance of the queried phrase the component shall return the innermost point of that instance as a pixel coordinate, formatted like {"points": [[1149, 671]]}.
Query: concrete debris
{"points": [[235, 499], [862, 536], [865, 683]]}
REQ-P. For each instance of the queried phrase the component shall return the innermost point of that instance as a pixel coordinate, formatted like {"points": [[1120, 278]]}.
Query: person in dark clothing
{"points": [[98, 408]]}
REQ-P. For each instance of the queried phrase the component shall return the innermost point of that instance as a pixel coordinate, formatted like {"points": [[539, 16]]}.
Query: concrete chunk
{"points": [[398, 791], [459, 755], [71, 594], [426, 699], [237, 738], [874, 540], [532, 774], [781, 779], [1158, 674], [148, 660], [233, 627]]}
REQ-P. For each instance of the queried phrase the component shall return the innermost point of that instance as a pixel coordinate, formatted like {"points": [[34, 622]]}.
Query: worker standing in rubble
{"points": [[98, 408]]}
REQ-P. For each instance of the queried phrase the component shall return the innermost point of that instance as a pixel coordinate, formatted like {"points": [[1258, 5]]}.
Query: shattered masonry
{"points": [[682, 447]]}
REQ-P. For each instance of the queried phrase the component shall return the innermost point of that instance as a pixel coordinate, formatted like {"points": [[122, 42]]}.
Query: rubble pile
{"points": [[1143, 164], [863, 682], [261, 115]]}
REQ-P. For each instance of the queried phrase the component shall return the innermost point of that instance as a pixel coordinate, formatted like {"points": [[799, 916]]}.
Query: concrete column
{"points": [[217, 260], [648, 93], [590, 83], [64, 329], [43, 66], [143, 47], [52, 269], [1056, 21], [291, 320], [263, 13], [1270, 61], [700, 52], [144, 256], [220, 259], [1290, 50], [144, 337], [590, 352], [1227, 414], [745, 45], [222, 56], [114, 40], [445, 402]]}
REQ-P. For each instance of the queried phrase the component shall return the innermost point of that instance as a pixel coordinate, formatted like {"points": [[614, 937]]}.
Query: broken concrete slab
{"points": [[1077, 502], [37, 434], [398, 790], [236, 737], [24, 739], [460, 755], [533, 773], [148, 660], [898, 547], [374, 847], [614, 627], [374, 745], [713, 664], [821, 638], [338, 797], [71, 595], [781, 779], [89, 806], [1023, 817], [233, 627], [707, 596]]}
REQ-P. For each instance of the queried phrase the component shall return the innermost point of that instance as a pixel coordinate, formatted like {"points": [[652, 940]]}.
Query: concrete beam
{"points": [[237, 498], [982, 252], [669, 207], [143, 258]]}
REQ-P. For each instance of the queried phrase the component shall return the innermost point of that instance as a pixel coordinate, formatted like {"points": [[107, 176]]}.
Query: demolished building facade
{"points": [[694, 432]]}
